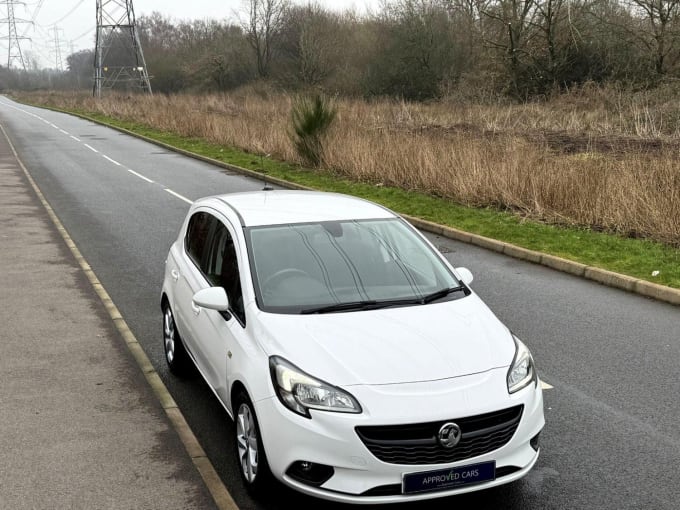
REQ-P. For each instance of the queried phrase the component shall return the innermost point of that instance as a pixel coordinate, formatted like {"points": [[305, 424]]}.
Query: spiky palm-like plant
{"points": [[311, 116]]}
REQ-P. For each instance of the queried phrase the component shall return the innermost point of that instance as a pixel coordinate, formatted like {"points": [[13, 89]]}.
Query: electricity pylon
{"points": [[118, 56], [58, 61], [13, 47]]}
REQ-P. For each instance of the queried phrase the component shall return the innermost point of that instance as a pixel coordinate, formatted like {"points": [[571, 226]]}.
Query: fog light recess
{"points": [[310, 473], [534, 442]]}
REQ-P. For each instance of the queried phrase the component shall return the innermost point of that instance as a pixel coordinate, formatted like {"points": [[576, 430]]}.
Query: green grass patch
{"points": [[634, 257]]}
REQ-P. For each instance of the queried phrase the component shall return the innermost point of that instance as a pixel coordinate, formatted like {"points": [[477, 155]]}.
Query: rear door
{"points": [[190, 278]]}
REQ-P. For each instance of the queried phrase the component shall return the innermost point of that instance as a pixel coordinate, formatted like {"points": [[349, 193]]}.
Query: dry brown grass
{"points": [[596, 157]]}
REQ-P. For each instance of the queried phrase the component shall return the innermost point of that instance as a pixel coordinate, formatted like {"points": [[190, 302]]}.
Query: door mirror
{"points": [[212, 298], [465, 275]]}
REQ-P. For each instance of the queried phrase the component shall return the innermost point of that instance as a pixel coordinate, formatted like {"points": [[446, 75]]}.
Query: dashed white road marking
{"points": [[111, 160], [185, 199], [546, 386], [139, 175], [136, 174]]}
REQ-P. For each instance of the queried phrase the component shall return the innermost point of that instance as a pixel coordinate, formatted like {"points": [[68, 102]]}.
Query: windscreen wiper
{"points": [[441, 294], [341, 307], [373, 304]]}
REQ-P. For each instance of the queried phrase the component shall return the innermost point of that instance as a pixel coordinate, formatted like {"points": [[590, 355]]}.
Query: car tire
{"points": [[250, 455], [175, 354]]}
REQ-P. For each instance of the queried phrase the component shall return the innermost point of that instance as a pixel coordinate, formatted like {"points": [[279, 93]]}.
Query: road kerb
{"points": [[213, 482], [658, 292], [436, 228], [611, 279], [522, 253], [193, 447], [143, 361], [222, 497], [154, 380], [564, 265]]}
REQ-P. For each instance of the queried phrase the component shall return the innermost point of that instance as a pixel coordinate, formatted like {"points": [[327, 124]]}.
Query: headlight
{"points": [[522, 370], [301, 392]]}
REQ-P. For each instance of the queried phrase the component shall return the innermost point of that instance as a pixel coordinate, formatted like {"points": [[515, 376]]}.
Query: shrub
{"points": [[311, 117]]}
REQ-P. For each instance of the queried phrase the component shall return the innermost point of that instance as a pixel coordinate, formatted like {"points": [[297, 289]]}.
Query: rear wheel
{"points": [[251, 458], [175, 354]]}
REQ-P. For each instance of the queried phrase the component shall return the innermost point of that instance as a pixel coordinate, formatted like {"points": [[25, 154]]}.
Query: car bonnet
{"points": [[391, 346]]}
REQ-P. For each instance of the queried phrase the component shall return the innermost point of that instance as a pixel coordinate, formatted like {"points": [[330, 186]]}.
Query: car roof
{"points": [[279, 207]]}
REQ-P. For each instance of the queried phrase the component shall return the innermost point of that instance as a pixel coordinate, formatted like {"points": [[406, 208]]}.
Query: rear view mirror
{"points": [[212, 298], [465, 275]]}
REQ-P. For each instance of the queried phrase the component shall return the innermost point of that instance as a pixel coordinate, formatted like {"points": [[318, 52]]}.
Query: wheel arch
{"points": [[236, 387], [165, 301]]}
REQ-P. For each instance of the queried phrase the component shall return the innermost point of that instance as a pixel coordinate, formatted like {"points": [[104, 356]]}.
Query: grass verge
{"points": [[638, 258]]}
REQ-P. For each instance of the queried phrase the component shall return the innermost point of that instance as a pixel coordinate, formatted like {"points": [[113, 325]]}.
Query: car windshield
{"points": [[344, 265]]}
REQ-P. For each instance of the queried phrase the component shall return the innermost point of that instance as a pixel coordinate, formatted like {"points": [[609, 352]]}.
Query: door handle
{"points": [[195, 309], [175, 274]]}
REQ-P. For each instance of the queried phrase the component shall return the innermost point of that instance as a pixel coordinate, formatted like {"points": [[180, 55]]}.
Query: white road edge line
{"points": [[140, 176], [91, 148], [65, 132], [111, 160], [179, 196]]}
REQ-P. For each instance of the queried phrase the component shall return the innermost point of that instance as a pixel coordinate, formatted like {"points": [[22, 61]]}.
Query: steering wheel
{"points": [[283, 274]]}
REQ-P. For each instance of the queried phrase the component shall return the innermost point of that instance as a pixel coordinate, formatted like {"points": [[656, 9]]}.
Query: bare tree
{"points": [[659, 31], [651, 25], [418, 48], [517, 18], [262, 29], [468, 15], [311, 43], [317, 45], [549, 14]]}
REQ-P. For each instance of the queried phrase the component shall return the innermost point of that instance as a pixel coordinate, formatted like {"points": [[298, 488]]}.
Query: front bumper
{"points": [[358, 476]]}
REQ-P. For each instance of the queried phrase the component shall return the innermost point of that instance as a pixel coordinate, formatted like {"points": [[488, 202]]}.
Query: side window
{"points": [[197, 236], [221, 268]]}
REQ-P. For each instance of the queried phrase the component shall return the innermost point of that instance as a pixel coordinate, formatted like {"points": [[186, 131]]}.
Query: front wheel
{"points": [[251, 458]]}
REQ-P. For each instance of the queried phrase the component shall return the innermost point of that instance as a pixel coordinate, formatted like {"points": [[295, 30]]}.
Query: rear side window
{"points": [[197, 236]]}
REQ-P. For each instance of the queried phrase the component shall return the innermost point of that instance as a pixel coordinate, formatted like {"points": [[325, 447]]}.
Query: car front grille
{"points": [[417, 443]]}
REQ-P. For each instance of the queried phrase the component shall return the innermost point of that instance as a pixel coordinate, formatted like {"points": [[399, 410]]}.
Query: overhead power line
{"points": [[36, 11], [75, 7], [34, 16], [87, 32]]}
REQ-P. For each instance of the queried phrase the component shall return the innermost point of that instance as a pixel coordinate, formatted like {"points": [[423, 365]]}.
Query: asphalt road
{"points": [[612, 439]]}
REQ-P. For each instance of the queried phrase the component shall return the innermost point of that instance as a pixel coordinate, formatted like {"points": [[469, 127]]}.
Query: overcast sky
{"points": [[76, 20]]}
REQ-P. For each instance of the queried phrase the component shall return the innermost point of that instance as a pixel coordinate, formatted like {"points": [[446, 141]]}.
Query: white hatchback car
{"points": [[357, 364]]}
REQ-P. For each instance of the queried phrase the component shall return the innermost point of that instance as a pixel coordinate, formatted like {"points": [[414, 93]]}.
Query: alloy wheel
{"points": [[169, 335], [246, 438]]}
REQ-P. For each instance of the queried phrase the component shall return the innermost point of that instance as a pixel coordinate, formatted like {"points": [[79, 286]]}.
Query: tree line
{"points": [[413, 49]]}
